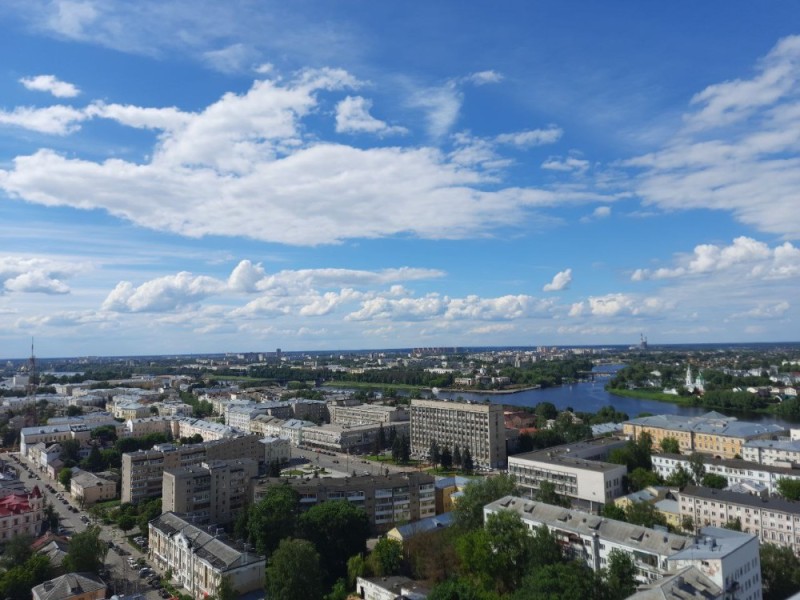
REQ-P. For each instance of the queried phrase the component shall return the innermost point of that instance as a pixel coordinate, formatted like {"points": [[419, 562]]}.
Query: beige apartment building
{"points": [[143, 471], [211, 492], [478, 427], [199, 559], [88, 489], [362, 414], [712, 433], [388, 500], [773, 519]]}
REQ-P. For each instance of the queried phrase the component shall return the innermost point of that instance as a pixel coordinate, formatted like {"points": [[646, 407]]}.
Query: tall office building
{"points": [[475, 426]]}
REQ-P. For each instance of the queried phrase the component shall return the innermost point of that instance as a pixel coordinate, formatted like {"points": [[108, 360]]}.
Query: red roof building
{"points": [[21, 514]]}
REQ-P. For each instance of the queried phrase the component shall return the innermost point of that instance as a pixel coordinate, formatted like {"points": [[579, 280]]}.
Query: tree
{"points": [[612, 511], [789, 488], [546, 549], [446, 459], [679, 478], [338, 530], [74, 411], [457, 458], [780, 572], [65, 477], [697, 466], [86, 552], [294, 571], [714, 480], [70, 450], [456, 589], [687, 523], [17, 581], [734, 524], [386, 558], [93, 462], [547, 494], [546, 411], [644, 514], [479, 493], [469, 466], [225, 589], [405, 449], [16, 551], [434, 453], [559, 581], [273, 518], [500, 554], [641, 478], [670, 445], [621, 575]]}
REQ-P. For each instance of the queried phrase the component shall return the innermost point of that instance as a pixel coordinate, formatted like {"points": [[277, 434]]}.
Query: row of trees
{"points": [[447, 459]]}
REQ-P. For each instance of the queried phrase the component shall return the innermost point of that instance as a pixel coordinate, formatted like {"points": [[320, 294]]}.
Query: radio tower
{"points": [[32, 378]]}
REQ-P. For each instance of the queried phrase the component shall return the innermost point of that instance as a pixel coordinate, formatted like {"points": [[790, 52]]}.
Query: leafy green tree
{"points": [[16, 551], [641, 478], [687, 523], [339, 591], [294, 571], [458, 459], [225, 589], [457, 589], [714, 480], [734, 524], [500, 554], [780, 572], [93, 462], [612, 511], [434, 453], [789, 488], [679, 478], [16, 583], [469, 465], [386, 558], [446, 459], [70, 450], [670, 445], [644, 514], [546, 549], [357, 567], [86, 552], [338, 530], [559, 581], [65, 477], [620, 575], [547, 494], [546, 411], [479, 493], [697, 466], [273, 518]]}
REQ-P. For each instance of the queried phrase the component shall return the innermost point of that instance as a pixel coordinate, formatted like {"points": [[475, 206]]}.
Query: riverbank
{"points": [[685, 401], [363, 385], [490, 392]]}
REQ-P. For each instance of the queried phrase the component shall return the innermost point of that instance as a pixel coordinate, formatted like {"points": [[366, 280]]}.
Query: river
{"points": [[591, 396]]}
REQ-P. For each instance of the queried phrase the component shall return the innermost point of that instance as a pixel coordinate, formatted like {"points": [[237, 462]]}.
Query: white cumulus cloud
{"points": [[561, 281], [50, 84], [353, 116]]}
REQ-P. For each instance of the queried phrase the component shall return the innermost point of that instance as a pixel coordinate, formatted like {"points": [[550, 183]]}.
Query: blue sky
{"points": [[197, 176]]}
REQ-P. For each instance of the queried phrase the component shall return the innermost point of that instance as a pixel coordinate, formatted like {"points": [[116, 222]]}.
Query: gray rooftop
{"points": [[687, 584], [587, 524], [714, 542], [67, 586], [711, 422], [773, 503], [221, 554]]}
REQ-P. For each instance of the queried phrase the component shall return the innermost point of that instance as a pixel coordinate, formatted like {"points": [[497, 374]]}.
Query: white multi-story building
{"points": [[576, 470], [477, 427], [729, 558], [781, 452], [362, 414], [773, 519], [735, 471], [199, 559]]}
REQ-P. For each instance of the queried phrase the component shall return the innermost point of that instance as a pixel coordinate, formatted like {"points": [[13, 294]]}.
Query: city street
{"points": [[345, 463], [122, 578]]}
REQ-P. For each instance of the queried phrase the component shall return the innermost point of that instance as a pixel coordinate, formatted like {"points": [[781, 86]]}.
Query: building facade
{"points": [[712, 433], [387, 500], [143, 471], [211, 492], [477, 427], [577, 471], [21, 513], [88, 489], [199, 559]]}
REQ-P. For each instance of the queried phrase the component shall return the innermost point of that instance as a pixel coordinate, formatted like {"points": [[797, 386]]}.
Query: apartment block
{"points": [[729, 558], [388, 500], [737, 472], [772, 519], [351, 438], [712, 433], [199, 558], [211, 492], [143, 471], [474, 426], [362, 414], [88, 489], [783, 452], [578, 471]]}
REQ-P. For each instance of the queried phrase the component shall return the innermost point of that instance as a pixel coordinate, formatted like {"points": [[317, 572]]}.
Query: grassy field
{"points": [[652, 395], [372, 386]]}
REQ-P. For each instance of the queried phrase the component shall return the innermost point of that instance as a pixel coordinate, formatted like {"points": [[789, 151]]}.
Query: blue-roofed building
{"points": [[402, 533]]}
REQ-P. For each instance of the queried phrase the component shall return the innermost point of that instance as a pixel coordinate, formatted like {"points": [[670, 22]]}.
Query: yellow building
{"points": [[712, 433]]}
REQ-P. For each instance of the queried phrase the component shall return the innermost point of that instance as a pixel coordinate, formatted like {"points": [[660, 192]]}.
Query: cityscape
{"points": [[378, 301]]}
